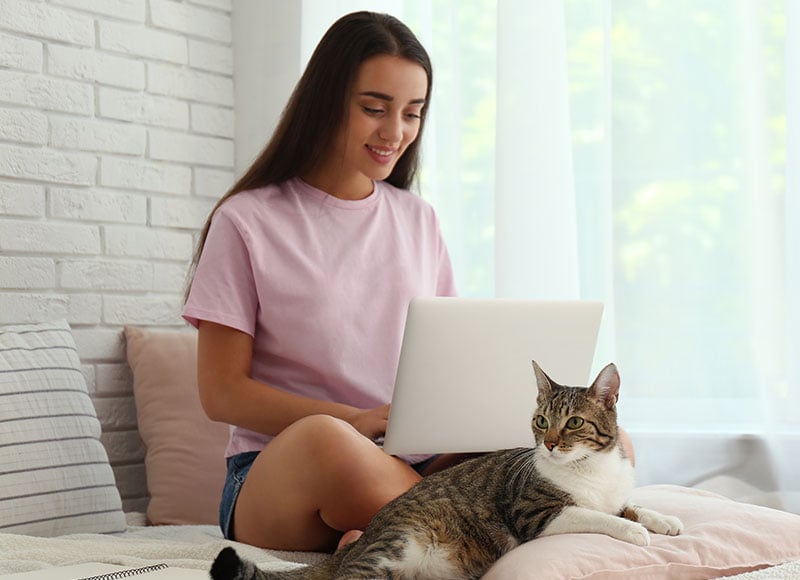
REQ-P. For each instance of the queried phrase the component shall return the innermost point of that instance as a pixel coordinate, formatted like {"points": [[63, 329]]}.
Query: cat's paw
{"points": [[667, 525], [636, 534], [659, 523]]}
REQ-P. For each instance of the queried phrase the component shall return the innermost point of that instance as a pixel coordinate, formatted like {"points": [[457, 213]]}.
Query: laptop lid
{"points": [[465, 381]]}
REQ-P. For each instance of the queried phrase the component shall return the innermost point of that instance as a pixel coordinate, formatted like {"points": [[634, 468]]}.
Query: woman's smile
{"points": [[382, 155]]}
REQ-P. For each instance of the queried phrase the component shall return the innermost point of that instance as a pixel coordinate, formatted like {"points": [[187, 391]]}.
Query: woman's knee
{"points": [[344, 477], [627, 445], [341, 454], [323, 434]]}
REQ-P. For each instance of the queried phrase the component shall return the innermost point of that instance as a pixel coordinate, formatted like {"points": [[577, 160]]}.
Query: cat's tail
{"points": [[229, 566]]}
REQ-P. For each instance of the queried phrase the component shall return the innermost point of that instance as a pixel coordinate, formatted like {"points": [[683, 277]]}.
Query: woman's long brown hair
{"points": [[317, 108]]}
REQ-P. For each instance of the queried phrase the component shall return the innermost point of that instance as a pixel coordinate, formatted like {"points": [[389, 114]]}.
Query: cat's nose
{"points": [[550, 445]]}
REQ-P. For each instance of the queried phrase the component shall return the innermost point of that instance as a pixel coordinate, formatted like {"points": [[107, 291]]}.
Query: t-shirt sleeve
{"points": [[223, 289]]}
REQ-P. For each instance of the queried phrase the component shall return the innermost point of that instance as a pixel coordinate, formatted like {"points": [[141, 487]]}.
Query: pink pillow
{"points": [[721, 537], [184, 450]]}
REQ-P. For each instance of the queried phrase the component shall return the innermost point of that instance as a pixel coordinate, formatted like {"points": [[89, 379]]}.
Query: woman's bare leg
{"points": [[316, 479], [627, 445]]}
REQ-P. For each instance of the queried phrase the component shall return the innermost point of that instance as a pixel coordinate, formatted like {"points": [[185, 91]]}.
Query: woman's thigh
{"points": [[316, 479]]}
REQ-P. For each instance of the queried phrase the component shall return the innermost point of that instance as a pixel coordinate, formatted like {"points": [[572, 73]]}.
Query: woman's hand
{"points": [[370, 422]]}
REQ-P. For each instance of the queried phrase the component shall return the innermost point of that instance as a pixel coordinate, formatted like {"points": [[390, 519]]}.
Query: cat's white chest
{"points": [[602, 482]]}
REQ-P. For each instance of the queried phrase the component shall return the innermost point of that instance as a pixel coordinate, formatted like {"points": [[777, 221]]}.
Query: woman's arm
{"points": [[229, 395]]}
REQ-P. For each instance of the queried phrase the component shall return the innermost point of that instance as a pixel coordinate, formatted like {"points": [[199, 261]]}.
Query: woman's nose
{"points": [[391, 130]]}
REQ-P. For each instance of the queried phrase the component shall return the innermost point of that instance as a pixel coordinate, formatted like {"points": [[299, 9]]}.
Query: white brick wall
{"points": [[116, 138]]}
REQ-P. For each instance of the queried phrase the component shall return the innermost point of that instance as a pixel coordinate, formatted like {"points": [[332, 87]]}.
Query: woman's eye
{"points": [[541, 422], [574, 423], [371, 111], [414, 115]]}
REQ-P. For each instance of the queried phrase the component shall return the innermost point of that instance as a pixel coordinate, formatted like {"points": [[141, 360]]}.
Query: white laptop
{"points": [[465, 381]]}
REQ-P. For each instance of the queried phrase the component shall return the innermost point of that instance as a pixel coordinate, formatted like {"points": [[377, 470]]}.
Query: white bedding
{"points": [[181, 546], [187, 547]]}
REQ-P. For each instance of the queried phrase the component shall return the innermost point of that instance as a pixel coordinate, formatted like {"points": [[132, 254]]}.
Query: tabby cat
{"points": [[456, 523]]}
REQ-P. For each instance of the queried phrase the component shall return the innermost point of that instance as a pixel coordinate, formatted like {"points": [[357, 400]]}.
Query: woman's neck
{"points": [[335, 183]]}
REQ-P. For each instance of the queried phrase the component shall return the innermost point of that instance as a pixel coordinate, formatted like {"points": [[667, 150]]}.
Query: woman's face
{"points": [[384, 119]]}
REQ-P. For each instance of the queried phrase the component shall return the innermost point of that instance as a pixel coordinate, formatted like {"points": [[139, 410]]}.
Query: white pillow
{"points": [[54, 472]]}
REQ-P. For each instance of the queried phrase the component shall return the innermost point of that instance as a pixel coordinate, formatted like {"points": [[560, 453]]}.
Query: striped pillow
{"points": [[54, 473]]}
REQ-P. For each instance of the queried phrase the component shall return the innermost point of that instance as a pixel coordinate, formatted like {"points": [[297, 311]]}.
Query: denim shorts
{"points": [[238, 468]]}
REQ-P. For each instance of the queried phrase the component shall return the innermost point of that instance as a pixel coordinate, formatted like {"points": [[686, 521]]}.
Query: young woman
{"points": [[302, 280]]}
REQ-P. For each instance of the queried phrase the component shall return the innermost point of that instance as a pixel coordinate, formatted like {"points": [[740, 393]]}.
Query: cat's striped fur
{"points": [[458, 522]]}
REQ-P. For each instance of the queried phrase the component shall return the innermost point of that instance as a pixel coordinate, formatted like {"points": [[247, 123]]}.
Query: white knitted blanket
{"points": [[179, 546]]}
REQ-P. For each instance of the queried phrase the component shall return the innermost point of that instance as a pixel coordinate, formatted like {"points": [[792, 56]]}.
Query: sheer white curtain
{"points": [[534, 189], [697, 246], [647, 155], [697, 242]]}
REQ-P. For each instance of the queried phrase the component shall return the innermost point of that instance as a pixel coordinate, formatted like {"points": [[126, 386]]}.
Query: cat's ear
{"points": [[542, 380], [605, 387]]}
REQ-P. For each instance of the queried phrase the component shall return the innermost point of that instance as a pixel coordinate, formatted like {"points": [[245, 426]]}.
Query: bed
{"points": [[60, 505]]}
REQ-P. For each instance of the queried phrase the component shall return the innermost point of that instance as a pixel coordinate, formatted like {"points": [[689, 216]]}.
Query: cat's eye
{"points": [[541, 422], [575, 423]]}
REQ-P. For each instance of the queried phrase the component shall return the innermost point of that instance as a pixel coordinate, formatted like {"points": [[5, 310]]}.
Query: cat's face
{"points": [[572, 423]]}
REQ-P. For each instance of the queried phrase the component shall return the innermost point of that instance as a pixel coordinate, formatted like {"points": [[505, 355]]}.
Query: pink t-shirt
{"points": [[322, 285]]}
